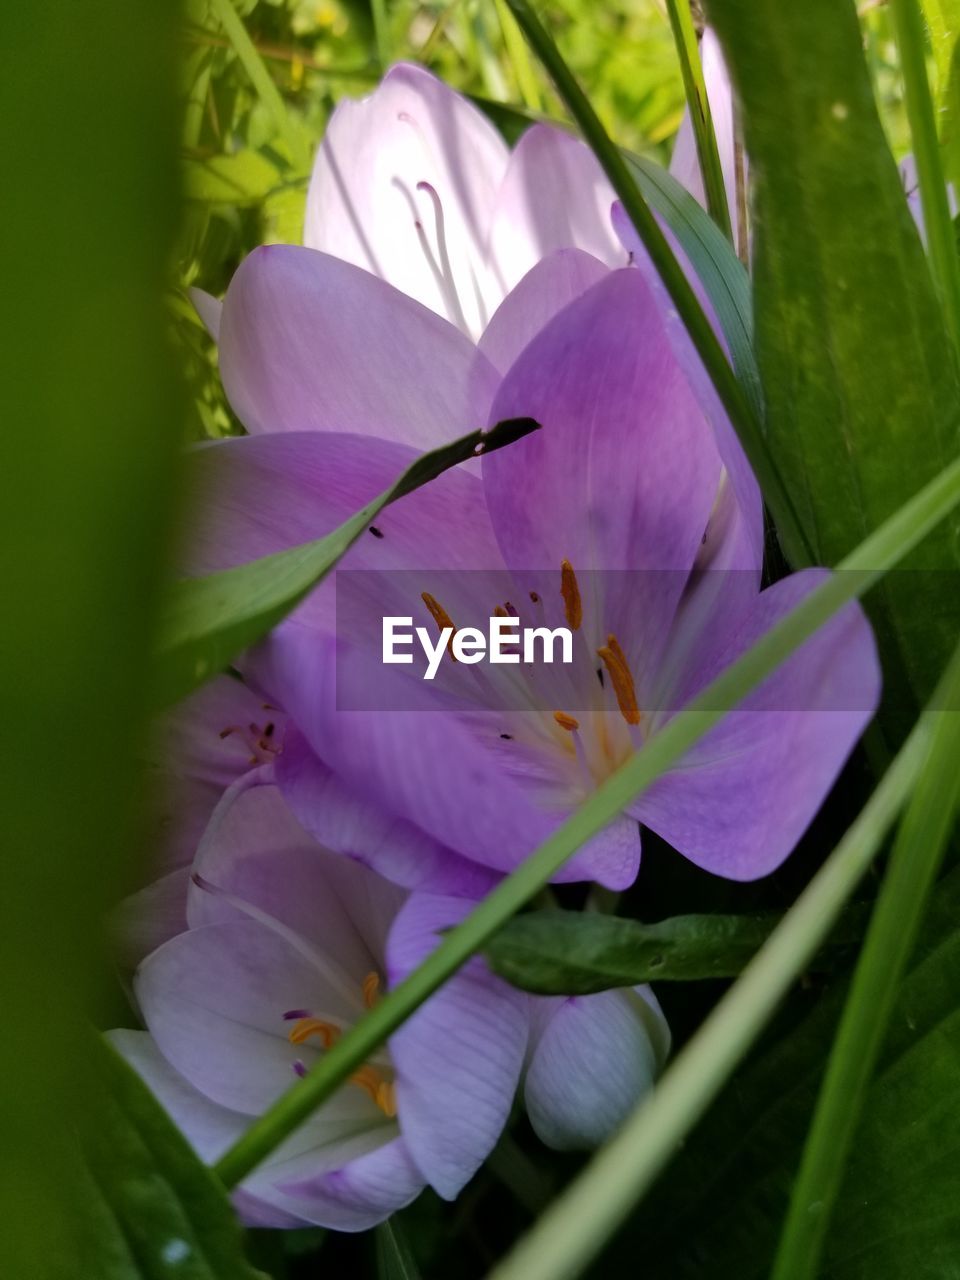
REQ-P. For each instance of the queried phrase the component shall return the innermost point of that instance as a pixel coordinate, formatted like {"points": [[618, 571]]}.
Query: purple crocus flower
{"points": [[287, 946], [626, 475], [415, 186]]}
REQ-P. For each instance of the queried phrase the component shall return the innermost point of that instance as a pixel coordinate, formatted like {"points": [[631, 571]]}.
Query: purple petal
{"points": [[358, 1194], [741, 799], [367, 193], [621, 478], [742, 525], [146, 919], [257, 852], [458, 1059], [209, 309], [342, 819], [214, 999], [554, 196], [310, 343], [594, 1059], [546, 289]]}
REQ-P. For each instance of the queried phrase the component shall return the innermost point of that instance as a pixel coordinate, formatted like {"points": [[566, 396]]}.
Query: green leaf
{"points": [[719, 1208], [245, 177], [207, 621], [577, 953], [861, 389], [943, 20], [395, 1261], [150, 1208]]}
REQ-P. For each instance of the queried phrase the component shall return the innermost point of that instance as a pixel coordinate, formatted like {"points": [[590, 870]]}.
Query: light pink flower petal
{"points": [[458, 1059], [554, 196], [546, 289], [367, 193], [593, 1060], [741, 799], [310, 343]]}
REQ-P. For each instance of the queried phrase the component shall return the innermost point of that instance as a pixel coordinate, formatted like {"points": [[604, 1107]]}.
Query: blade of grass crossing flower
{"points": [[381, 31], [695, 88], [746, 424], [262, 81], [519, 58], [895, 539], [916, 858], [944, 260], [577, 1226]]}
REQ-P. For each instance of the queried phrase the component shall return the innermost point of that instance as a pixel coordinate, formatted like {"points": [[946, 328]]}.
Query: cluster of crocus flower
{"points": [[317, 853]]}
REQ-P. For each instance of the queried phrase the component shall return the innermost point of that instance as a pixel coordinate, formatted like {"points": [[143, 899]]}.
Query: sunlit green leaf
{"points": [[861, 389]]}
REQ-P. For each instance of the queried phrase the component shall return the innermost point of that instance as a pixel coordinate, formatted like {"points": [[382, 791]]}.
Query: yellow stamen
{"points": [[500, 612], [618, 669], [440, 617], [380, 1091], [304, 1028], [570, 590], [566, 722], [371, 989]]}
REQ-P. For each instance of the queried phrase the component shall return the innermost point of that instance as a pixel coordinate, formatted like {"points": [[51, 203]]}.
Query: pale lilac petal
{"points": [[342, 819], [366, 198], [684, 163], [360, 1193], [736, 525], [620, 480], [209, 309], [446, 772], [214, 1000], [594, 1059], [146, 919], [310, 343], [458, 1059], [255, 851], [741, 799], [554, 196], [546, 289]]}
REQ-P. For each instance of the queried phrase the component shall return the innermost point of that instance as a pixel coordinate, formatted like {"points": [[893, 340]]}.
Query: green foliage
{"points": [[576, 952], [718, 1210], [851, 343], [148, 1209]]}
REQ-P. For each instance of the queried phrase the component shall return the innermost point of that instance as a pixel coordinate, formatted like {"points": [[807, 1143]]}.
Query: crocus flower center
{"points": [[259, 738], [373, 1080], [599, 686]]}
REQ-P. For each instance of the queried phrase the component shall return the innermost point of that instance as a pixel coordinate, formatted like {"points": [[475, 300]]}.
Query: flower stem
{"points": [[944, 260], [580, 1221], [913, 867], [745, 422], [698, 104], [884, 548]]}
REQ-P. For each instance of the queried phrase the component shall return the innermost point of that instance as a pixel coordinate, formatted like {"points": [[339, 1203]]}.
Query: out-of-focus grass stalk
{"points": [[698, 104], [895, 538], [893, 930], [941, 239], [747, 425], [262, 81], [579, 1223], [381, 31], [516, 48]]}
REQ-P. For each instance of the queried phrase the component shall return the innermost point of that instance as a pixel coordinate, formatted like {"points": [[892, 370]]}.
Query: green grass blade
{"points": [[262, 81], [944, 260], [879, 553], [694, 86], [909, 879]]}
